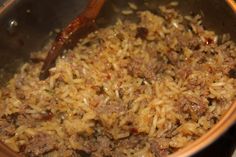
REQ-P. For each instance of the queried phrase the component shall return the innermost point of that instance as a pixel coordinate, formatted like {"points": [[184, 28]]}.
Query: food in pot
{"points": [[145, 88]]}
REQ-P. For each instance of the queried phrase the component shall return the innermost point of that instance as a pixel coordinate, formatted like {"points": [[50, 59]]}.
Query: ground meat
{"points": [[112, 106], [25, 119], [183, 72], [87, 143], [40, 144], [102, 145], [194, 43], [155, 148], [142, 32], [196, 82], [172, 57], [99, 90], [81, 153], [232, 73], [5, 92], [138, 68], [208, 41], [20, 94], [12, 118], [7, 129], [105, 146], [133, 141], [194, 106], [184, 40], [48, 115]]}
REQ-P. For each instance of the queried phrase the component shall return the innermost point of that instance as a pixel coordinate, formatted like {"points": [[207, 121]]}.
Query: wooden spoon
{"points": [[232, 4], [6, 151], [81, 25]]}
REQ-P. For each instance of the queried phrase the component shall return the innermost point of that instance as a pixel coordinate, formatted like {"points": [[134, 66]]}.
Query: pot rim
{"points": [[232, 4], [227, 120]]}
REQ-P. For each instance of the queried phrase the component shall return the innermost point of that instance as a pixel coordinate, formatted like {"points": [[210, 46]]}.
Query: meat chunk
{"points": [[11, 118], [100, 146], [183, 72], [87, 143], [112, 106], [172, 57], [41, 144], [232, 73], [192, 105], [105, 146], [185, 40], [133, 141], [108, 112], [47, 116], [6, 129], [142, 32], [82, 153], [139, 68], [156, 150], [25, 119]]}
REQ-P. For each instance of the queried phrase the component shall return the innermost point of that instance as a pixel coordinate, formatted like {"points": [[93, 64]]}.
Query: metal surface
{"points": [[35, 20], [25, 25]]}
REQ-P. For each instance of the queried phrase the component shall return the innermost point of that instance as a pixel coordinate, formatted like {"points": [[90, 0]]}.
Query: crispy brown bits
{"points": [[192, 105], [232, 73], [40, 144], [100, 90], [210, 101], [208, 41], [133, 130], [47, 116], [12, 118], [142, 32], [83, 153], [214, 119], [22, 147]]}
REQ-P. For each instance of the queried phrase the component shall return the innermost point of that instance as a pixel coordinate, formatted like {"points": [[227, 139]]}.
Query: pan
{"points": [[27, 25]]}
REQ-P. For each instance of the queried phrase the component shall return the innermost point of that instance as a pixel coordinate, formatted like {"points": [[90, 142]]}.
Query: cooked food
{"points": [[145, 88]]}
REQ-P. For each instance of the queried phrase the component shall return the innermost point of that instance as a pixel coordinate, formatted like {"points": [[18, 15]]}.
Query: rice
{"points": [[132, 89]]}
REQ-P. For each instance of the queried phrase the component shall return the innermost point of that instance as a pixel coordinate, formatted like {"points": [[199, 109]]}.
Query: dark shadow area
{"points": [[223, 147]]}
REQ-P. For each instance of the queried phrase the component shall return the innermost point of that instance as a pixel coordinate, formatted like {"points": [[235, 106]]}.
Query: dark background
{"points": [[223, 147]]}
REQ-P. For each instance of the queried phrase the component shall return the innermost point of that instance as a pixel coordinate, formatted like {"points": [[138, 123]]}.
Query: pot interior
{"points": [[26, 26]]}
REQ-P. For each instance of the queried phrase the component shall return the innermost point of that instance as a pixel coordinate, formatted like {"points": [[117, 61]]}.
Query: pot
{"points": [[26, 26]]}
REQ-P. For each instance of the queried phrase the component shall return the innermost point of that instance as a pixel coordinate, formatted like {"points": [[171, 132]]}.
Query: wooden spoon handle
{"points": [[94, 8], [81, 24], [232, 4], [7, 152]]}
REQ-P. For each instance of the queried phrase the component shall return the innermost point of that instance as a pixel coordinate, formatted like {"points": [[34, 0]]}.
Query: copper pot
{"points": [[25, 27]]}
